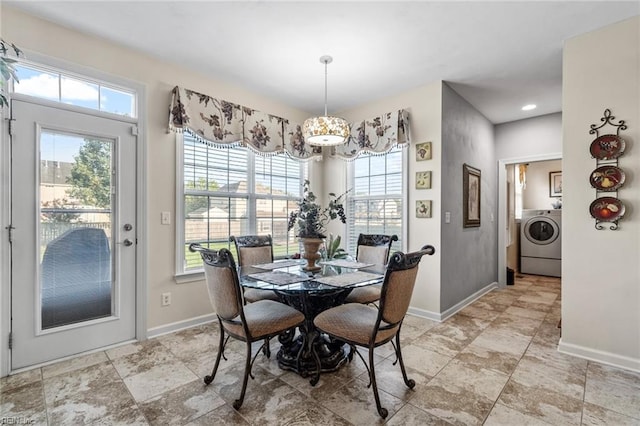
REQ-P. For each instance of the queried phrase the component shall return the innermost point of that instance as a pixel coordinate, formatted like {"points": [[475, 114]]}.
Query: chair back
{"points": [[398, 285], [374, 248], [253, 249], [223, 284]]}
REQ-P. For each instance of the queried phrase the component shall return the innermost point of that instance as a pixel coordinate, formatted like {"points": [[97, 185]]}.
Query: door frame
{"points": [[141, 199], [502, 206]]}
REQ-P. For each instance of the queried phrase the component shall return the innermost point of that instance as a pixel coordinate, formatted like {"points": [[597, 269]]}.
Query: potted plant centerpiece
{"points": [[311, 221]]}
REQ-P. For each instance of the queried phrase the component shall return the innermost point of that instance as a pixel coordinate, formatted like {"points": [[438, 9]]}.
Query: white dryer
{"points": [[541, 242]]}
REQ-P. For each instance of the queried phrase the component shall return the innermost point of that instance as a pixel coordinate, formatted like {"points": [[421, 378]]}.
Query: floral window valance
{"points": [[376, 136], [217, 122]]}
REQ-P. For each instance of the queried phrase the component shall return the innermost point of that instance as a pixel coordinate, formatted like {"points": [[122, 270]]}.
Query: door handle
{"points": [[127, 242]]}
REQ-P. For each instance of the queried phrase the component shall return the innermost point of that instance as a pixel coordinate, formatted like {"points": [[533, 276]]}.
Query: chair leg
{"points": [[353, 348], [407, 381], [266, 349], [372, 375], [221, 345], [224, 346], [395, 351], [247, 368]]}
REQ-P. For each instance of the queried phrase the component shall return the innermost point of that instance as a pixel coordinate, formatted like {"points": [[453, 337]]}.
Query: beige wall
{"points": [[536, 193], [601, 269], [425, 107], [189, 300]]}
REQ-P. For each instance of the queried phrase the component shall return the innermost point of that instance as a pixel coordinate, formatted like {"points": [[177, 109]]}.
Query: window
{"points": [[54, 85], [232, 191], [375, 204]]}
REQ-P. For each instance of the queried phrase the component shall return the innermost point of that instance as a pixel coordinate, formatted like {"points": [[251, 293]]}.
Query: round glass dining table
{"points": [[311, 293]]}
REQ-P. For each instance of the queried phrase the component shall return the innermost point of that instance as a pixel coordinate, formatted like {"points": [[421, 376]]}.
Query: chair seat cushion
{"points": [[353, 322], [264, 318], [254, 294], [368, 294]]}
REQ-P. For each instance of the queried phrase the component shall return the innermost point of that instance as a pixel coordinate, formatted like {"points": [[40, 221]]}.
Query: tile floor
{"points": [[494, 363]]}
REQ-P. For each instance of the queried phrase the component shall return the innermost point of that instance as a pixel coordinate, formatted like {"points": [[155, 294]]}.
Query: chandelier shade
{"points": [[325, 130]]}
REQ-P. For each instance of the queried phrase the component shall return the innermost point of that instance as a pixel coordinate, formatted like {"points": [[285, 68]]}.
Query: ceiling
{"points": [[498, 55]]}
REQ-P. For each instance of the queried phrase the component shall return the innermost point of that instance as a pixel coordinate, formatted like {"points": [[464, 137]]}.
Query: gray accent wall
{"points": [[469, 255]]}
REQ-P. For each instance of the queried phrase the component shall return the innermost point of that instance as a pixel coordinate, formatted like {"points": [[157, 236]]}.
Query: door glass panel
{"points": [[75, 239]]}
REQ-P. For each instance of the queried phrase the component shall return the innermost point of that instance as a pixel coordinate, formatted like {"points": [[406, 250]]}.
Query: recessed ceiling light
{"points": [[529, 107]]}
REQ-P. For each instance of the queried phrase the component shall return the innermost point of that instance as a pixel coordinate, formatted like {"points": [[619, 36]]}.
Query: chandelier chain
{"points": [[325, 86]]}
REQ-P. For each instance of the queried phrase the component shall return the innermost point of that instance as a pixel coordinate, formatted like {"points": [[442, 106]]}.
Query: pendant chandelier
{"points": [[325, 130]]}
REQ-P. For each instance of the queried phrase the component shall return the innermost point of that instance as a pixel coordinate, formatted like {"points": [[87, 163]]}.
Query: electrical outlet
{"points": [[166, 299], [447, 217], [165, 218]]}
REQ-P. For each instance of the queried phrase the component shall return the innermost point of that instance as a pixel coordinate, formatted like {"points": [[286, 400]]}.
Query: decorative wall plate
{"points": [[607, 147], [607, 209], [607, 178]]}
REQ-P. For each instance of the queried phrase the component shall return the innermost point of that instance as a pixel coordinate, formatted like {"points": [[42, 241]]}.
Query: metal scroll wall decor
{"points": [[607, 177]]}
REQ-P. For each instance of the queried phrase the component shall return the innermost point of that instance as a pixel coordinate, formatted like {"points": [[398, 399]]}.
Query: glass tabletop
{"points": [[292, 278]]}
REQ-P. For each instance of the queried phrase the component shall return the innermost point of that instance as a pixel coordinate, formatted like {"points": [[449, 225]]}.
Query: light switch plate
{"points": [[165, 218]]}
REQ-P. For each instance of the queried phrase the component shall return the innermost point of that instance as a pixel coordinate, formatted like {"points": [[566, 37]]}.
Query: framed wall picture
{"points": [[423, 180], [423, 151], [470, 196], [555, 184], [423, 208]]}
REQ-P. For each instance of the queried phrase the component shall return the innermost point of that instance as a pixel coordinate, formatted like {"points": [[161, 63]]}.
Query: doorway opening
{"points": [[537, 197]]}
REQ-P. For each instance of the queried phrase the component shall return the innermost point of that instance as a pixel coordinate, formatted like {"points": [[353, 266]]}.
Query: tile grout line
{"points": [[44, 397], [584, 391], [135, 402], [514, 369]]}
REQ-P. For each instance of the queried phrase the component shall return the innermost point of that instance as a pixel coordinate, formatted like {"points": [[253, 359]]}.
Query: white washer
{"points": [[541, 242]]}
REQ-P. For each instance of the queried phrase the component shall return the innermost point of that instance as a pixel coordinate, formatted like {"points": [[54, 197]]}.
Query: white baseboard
{"points": [[441, 316], [180, 325], [68, 357], [423, 313], [602, 357], [468, 300]]}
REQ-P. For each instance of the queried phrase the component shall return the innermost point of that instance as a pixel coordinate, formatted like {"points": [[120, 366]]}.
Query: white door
{"points": [[73, 249]]}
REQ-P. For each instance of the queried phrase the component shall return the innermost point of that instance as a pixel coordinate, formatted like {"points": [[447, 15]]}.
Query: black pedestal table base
{"points": [[303, 352]]}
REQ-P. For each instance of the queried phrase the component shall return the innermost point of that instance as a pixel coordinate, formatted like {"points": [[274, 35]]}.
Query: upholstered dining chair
{"points": [[371, 248], [254, 250], [250, 323], [366, 326]]}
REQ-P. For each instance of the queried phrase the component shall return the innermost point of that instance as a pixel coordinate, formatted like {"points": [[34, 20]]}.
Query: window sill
{"points": [[189, 277]]}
